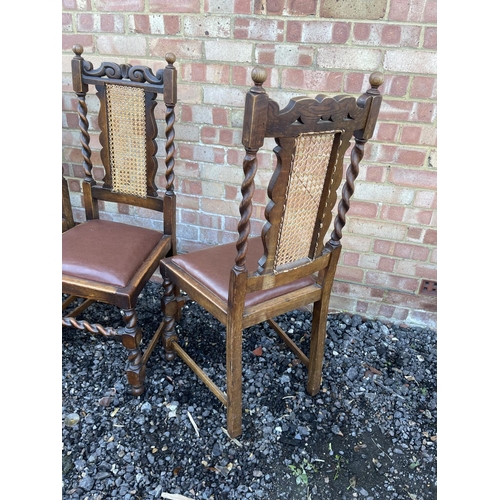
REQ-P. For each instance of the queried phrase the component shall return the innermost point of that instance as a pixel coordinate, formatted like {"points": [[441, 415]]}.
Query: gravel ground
{"points": [[370, 433]]}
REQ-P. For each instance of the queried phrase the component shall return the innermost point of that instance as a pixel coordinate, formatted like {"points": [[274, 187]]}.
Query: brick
{"points": [[352, 9], [101, 23], [212, 189], [383, 193], [394, 213], [224, 96], [424, 112], [413, 252], [312, 80], [67, 22], [174, 6], [425, 199], [413, 177], [284, 55], [396, 110], [183, 49], [221, 207], [76, 4], [301, 7], [231, 51], [418, 216], [410, 61], [212, 73], [217, 26], [120, 5], [156, 24], [121, 45], [228, 6], [86, 41], [349, 274], [430, 237], [349, 58], [362, 209], [424, 87], [415, 234], [385, 132], [369, 261], [375, 174], [259, 29], [376, 228], [274, 7], [389, 281], [230, 175], [430, 38]]}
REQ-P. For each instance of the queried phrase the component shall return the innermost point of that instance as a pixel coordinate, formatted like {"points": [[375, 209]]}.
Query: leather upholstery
{"points": [[212, 266], [105, 251]]}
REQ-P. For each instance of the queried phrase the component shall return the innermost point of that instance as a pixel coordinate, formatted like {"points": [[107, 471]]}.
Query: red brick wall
{"points": [[390, 237]]}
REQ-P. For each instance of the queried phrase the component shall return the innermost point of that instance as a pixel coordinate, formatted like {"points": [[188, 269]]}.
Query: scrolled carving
{"points": [[116, 71]]}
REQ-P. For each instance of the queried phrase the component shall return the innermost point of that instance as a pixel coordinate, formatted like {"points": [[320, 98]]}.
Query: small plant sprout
{"points": [[300, 471]]}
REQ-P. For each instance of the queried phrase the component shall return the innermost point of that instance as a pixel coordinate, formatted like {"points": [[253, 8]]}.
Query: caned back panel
{"points": [[304, 192], [126, 115]]}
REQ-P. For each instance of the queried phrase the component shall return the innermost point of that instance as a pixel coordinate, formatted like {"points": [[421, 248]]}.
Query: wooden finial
{"points": [[78, 49], [259, 75], [170, 58], [376, 79]]}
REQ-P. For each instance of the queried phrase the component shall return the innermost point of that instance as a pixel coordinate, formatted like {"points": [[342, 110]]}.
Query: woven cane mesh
{"points": [[127, 139], [305, 186]]}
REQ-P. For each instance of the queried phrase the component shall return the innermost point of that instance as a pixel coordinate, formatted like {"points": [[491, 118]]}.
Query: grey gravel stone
{"points": [[371, 426]]}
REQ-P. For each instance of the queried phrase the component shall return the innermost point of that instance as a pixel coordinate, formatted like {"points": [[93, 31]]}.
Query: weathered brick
{"points": [[259, 29], [231, 51], [76, 4], [386, 132], [86, 41], [349, 58], [390, 281], [312, 80], [430, 38], [413, 177], [416, 61], [223, 96], [120, 5], [67, 22], [379, 229], [423, 87], [121, 45], [183, 49], [394, 213], [352, 9], [169, 6], [213, 73], [301, 7], [218, 26], [284, 55], [156, 24], [228, 6]]}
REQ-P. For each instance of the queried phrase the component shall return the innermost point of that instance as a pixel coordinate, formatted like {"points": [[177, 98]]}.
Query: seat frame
{"points": [[125, 297]]}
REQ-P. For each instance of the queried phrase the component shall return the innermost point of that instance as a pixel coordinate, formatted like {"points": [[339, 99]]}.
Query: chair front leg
{"points": [[131, 339], [317, 349], [170, 313], [234, 379]]}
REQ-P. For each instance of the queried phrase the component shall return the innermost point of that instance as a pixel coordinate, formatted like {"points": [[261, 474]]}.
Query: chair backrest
{"points": [[312, 137], [127, 99]]}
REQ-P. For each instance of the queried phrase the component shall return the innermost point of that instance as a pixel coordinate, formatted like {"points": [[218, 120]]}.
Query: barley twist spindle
{"points": [[83, 123], [169, 149], [92, 328], [247, 190], [168, 304], [347, 191]]}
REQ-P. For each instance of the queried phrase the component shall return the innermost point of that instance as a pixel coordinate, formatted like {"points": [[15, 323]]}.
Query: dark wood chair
{"points": [[67, 210], [109, 261], [290, 266]]}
